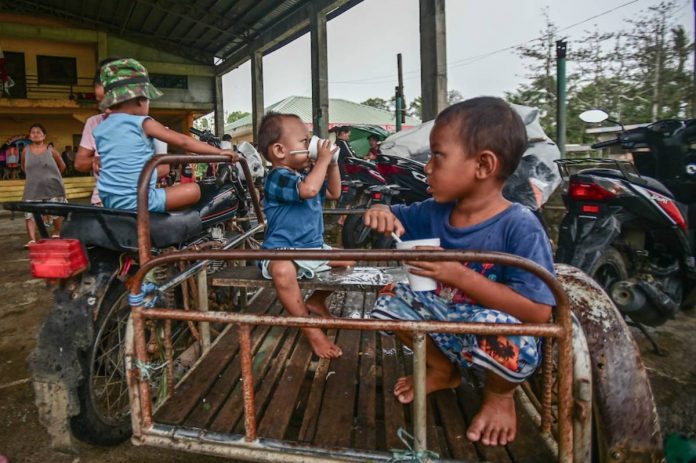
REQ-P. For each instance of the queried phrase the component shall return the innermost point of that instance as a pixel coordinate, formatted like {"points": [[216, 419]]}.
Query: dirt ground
{"points": [[25, 302]]}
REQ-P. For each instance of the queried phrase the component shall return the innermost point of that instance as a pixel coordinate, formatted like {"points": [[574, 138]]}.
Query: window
{"points": [[169, 81], [14, 66], [56, 70]]}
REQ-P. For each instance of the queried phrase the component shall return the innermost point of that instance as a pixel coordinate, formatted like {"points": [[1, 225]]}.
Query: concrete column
{"points": [[320, 72], [257, 109], [433, 54], [219, 108]]}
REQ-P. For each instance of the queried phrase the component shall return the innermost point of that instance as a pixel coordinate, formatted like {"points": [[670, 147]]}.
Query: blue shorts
{"points": [[157, 201], [514, 358]]}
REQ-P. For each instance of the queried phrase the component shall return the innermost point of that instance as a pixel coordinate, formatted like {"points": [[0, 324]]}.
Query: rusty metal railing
{"points": [[560, 331]]}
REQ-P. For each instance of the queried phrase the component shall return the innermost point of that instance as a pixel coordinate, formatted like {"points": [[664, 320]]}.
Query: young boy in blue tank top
{"points": [[293, 206], [125, 141], [475, 146]]}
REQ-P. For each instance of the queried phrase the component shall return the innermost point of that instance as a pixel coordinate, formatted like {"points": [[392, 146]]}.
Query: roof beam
{"points": [[294, 24]]}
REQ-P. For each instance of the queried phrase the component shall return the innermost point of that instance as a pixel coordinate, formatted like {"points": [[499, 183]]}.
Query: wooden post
{"points": [[219, 108], [433, 53]]}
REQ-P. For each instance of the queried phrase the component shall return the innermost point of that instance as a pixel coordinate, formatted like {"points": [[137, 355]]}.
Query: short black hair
{"points": [[227, 137], [373, 137], [271, 130], [38, 126], [343, 129], [488, 123]]}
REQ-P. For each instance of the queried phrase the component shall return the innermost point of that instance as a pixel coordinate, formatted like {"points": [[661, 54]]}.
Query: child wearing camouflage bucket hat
{"points": [[125, 141]]}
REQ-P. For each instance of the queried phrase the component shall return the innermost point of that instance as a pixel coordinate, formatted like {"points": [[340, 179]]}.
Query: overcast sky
{"points": [[364, 41]]}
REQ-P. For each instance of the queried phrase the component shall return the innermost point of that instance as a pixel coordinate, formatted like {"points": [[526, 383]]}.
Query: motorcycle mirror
{"points": [[594, 116]]}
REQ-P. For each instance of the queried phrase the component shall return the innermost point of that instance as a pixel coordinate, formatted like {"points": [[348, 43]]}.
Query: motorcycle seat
{"points": [[647, 182], [119, 232]]}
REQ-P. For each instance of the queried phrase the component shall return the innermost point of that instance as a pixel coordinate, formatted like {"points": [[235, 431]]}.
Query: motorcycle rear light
{"points": [[57, 258], [670, 209], [345, 188], [353, 169], [389, 169], [589, 208], [582, 191], [377, 196]]}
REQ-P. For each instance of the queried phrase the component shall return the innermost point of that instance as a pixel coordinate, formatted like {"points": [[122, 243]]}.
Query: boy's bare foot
{"points": [[434, 381], [317, 305], [496, 421], [321, 345]]}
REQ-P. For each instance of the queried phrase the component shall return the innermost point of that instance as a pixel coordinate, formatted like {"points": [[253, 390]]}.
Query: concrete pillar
{"points": [[320, 72], [433, 54], [257, 109], [219, 108]]}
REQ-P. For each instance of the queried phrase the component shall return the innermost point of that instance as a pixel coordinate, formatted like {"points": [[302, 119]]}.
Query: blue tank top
{"points": [[124, 149]]}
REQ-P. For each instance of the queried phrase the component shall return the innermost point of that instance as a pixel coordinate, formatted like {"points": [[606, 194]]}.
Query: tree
{"points": [[379, 103], [235, 115]]}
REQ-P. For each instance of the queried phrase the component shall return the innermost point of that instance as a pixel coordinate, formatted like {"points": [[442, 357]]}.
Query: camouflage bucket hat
{"points": [[123, 80]]}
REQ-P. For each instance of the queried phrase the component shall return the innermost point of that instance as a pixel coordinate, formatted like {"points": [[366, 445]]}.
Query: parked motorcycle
{"points": [[78, 366], [634, 233]]}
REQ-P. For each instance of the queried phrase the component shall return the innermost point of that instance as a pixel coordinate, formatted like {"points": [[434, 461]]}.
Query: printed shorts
{"points": [[55, 199], [514, 358], [305, 268]]}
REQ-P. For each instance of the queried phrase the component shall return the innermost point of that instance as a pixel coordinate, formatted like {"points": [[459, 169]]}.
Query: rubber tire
{"points": [[611, 259], [352, 228], [89, 425]]}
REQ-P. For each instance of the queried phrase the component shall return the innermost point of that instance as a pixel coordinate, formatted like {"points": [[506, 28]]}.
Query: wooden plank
{"points": [[366, 420], [394, 413], [229, 382], [316, 394], [528, 446], [335, 421], [357, 278], [469, 396], [175, 409], [275, 421], [454, 425]]}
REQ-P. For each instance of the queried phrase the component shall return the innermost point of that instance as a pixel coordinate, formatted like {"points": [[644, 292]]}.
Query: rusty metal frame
{"points": [[560, 331], [145, 431]]}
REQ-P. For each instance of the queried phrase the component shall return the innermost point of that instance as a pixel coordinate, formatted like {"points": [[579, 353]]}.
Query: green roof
{"points": [[341, 112]]}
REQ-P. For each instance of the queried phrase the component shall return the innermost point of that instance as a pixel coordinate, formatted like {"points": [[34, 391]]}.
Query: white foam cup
{"points": [[417, 282], [160, 146], [314, 148]]}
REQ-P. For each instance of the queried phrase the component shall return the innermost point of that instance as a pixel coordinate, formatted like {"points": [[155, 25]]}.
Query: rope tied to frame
{"points": [[147, 370], [410, 455], [136, 300]]}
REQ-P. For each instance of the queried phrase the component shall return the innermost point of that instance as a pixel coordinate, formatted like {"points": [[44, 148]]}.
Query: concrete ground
{"points": [[25, 302]]}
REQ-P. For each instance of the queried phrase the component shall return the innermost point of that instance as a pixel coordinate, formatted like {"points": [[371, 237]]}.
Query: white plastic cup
{"points": [[417, 282], [160, 146], [314, 148]]}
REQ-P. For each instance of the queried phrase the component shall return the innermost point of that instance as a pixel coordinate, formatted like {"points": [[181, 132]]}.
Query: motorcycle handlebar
{"points": [[604, 144], [205, 136]]}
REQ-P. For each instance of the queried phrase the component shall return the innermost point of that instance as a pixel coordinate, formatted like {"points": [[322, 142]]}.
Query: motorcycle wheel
{"points": [[610, 268], [354, 235], [104, 417]]}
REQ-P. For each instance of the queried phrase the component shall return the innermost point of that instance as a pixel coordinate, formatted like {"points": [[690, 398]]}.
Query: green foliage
{"points": [[235, 115], [379, 103], [638, 73]]}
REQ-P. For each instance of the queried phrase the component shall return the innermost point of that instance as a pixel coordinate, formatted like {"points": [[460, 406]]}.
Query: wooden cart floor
{"points": [[346, 402]]}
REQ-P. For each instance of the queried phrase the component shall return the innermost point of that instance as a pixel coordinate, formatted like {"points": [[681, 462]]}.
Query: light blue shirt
{"points": [[124, 149]]}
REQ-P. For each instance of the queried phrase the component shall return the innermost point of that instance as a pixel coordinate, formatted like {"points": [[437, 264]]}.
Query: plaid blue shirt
{"points": [[293, 222]]}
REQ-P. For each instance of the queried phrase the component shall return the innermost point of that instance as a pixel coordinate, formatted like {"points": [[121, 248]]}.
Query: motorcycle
{"points": [[78, 367], [634, 233], [404, 154], [355, 234]]}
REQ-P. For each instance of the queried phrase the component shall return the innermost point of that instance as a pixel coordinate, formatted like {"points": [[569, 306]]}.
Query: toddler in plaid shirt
{"points": [[293, 206]]}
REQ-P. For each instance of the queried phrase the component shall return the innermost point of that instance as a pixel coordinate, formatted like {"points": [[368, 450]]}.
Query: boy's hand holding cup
{"points": [[322, 148], [419, 282]]}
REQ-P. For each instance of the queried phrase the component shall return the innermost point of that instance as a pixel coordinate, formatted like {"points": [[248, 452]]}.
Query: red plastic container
{"points": [[57, 258]]}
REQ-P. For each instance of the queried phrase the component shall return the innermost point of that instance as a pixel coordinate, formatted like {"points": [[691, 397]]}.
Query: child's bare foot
{"points": [[316, 303], [321, 345], [434, 381], [496, 421]]}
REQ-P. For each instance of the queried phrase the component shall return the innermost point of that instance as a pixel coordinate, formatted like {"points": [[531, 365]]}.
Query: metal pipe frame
{"points": [[144, 242], [561, 330]]}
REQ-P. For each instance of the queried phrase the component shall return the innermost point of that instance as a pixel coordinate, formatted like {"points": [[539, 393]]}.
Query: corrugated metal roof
{"points": [[199, 30], [341, 112]]}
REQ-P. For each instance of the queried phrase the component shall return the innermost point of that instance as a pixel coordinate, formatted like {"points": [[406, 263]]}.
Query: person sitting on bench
{"points": [[293, 206], [475, 145]]}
